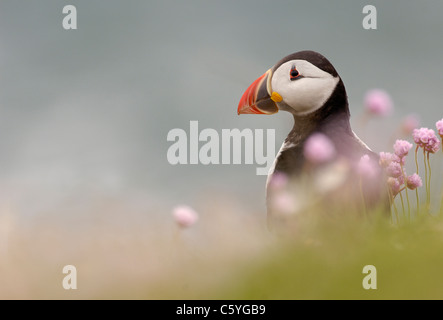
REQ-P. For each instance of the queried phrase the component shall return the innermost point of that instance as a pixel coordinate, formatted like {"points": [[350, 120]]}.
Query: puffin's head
{"points": [[300, 83]]}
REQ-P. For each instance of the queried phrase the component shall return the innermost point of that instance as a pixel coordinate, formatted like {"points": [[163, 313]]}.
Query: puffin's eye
{"points": [[294, 74]]}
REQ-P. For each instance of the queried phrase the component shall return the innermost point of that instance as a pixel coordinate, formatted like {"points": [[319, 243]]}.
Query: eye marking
{"points": [[294, 74]]}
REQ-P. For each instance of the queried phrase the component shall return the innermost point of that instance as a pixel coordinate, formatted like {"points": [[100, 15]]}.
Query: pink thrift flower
{"points": [[367, 167], [385, 159], [420, 136], [394, 185], [396, 158], [319, 149], [401, 148], [401, 179], [278, 181], [425, 138], [284, 203], [439, 125], [185, 216], [434, 147], [394, 170], [414, 181], [378, 102], [409, 123]]}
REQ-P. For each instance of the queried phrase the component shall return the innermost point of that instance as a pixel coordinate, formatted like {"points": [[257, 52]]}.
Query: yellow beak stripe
{"points": [[276, 97]]}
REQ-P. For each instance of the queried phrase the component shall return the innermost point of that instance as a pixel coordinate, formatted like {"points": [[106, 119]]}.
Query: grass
{"points": [[408, 260], [227, 256]]}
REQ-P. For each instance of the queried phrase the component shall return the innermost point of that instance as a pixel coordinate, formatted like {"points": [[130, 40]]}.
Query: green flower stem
{"points": [[416, 158], [416, 189], [429, 184], [396, 212], [392, 204], [418, 201], [441, 204], [406, 191], [402, 204], [426, 179]]}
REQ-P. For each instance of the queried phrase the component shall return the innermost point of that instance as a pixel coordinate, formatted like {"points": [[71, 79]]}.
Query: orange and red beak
{"points": [[257, 98]]}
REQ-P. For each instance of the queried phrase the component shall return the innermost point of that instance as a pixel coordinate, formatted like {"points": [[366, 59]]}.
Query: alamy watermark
{"points": [[70, 280], [370, 19], [370, 280], [231, 146], [70, 19]]}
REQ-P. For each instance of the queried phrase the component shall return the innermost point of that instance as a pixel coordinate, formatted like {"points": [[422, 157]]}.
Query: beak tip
{"points": [[247, 104]]}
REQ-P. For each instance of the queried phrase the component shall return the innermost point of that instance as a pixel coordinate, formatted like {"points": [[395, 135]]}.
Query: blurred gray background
{"points": [[84, 114]]}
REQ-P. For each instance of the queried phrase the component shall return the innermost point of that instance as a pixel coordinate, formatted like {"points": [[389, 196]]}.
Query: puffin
{"points": [[307, 85]]}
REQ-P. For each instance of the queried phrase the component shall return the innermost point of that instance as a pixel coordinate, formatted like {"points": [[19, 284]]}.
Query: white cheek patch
{"points": [[307, 94]]}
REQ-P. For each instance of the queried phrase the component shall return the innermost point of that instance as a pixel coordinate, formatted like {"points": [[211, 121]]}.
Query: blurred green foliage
{"points": [[328, 263]]}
